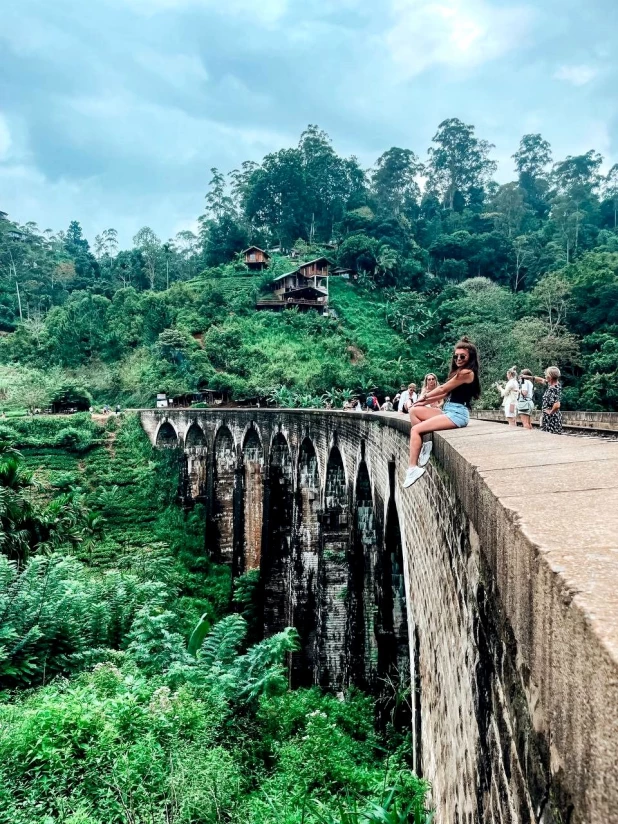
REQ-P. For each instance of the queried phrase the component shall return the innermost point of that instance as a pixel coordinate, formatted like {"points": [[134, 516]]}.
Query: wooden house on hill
{"points": [[256, 258], [305, 287]]}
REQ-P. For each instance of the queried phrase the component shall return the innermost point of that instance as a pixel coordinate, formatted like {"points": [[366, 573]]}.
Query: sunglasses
{"points": [[461, 357]]}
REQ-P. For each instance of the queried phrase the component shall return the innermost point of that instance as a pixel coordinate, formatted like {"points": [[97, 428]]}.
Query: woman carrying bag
{"points": [[525, 399]]}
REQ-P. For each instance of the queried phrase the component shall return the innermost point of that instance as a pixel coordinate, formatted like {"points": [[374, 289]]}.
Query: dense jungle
{"points": [[528, 269]]}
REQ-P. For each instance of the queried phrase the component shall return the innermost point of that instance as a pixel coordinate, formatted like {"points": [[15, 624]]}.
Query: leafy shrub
{"points": [[8, 434], [75, 440]]}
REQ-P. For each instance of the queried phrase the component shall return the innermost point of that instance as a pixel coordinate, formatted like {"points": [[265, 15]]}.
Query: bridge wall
{"points": [[510, 569]]}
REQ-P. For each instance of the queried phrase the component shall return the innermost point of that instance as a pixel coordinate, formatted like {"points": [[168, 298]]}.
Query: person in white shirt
{"points": [[408, 397], [510, 393], [387, 406], [525, 400]]}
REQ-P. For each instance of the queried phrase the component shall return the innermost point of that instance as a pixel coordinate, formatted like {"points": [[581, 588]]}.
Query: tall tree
{"points": [[532, 161], [577, 180], [326, 183], [276, 198], [87, 269], [610, 191], [458, 162], [150, 246], [394, 181]]}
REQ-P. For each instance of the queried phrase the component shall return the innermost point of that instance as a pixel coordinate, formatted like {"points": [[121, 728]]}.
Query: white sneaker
{"points": [[412, 475], [425, 453]]}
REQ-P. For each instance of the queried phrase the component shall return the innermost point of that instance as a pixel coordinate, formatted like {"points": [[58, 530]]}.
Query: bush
{"points": [[73, 439], [7, 434]]}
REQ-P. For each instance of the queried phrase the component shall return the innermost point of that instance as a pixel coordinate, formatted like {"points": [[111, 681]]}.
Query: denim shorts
{"points": [[457, 412]]}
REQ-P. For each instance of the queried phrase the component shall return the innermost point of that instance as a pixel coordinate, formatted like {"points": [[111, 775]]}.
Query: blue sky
{"points": [[113, 111]]}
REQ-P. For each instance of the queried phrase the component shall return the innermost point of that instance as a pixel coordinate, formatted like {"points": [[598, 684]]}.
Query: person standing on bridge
{"points": [[551, 418], [461, 387], [510, 393], [429, 384]]}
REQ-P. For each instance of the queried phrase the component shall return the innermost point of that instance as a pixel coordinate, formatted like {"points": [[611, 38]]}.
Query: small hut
{"points": [[256, 259]]}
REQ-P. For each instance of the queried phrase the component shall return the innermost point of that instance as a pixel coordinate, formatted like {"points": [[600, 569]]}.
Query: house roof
{"points": [[315, 260], [257, 249], [286, 274]]}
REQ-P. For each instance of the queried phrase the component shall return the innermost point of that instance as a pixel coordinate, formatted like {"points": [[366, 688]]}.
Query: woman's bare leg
{"points": [[512, 421], [526, 422], [424, 415]]}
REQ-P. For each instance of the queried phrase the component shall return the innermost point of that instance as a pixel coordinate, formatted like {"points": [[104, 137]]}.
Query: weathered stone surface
{"points": [[510, 560]]}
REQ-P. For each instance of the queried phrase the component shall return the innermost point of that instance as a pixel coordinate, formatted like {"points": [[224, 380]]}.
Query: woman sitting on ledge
{"points": [[460, 389]]}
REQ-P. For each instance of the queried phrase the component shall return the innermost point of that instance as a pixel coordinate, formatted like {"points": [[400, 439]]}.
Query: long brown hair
{"points": [[473, 364]]}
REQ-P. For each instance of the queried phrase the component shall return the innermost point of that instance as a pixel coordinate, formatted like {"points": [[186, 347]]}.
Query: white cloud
{"points": [[5, 138], [453, 33], [577, 75]]}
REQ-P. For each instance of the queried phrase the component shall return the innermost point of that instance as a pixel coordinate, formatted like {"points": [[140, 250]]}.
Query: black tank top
{"points": [[462, 394]]}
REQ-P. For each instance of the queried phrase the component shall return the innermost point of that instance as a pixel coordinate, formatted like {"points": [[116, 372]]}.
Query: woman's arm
{"points": [[465, 376]]}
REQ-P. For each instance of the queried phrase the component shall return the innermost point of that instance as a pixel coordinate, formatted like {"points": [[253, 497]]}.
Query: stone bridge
{"points": [[493, 583]]}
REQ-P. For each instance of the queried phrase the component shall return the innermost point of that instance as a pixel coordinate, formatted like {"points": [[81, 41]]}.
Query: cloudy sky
{"points": [[113, 111]]}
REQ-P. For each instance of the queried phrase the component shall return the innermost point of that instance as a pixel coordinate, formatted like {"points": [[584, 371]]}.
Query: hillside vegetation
{"points": [[528, 269]]}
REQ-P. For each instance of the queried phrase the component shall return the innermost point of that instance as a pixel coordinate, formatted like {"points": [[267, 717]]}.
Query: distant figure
{"points": [[347, 406], [371, 403], [430, 383], [525, 399], [460, 389], [387, 406], [396, 400], [356, 405], [551, 419], [117, 409], [407, 398], [509, 392]]}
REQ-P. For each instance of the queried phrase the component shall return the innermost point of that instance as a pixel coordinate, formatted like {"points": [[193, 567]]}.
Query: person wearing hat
{"points": [[387, 406]]}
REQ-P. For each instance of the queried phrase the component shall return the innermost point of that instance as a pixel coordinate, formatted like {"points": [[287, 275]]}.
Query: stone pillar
{"points": [[253, 488], [332, 612], [221, 540], [362, 605], [275, 567], [392, 629], [306, 543], [196, 457]]}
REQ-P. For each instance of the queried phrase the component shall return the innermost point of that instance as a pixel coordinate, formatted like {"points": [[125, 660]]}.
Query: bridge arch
{"points": [[167, 436], [195, 436]]}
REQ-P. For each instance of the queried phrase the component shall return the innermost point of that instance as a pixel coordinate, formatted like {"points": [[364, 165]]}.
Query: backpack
{"points": [[369, 402]]}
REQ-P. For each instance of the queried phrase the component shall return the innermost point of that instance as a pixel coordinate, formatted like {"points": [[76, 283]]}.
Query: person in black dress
{"points": [[551, 418]]}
